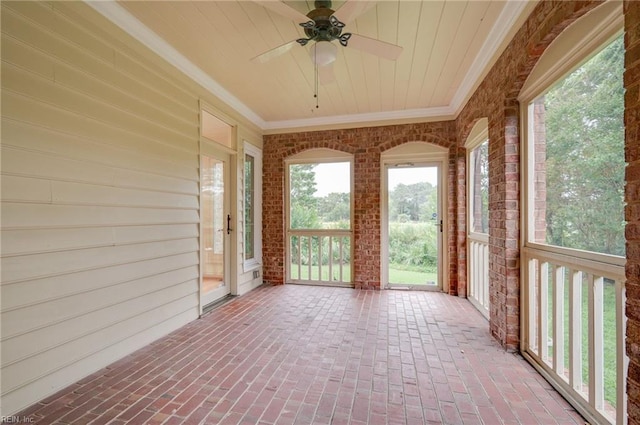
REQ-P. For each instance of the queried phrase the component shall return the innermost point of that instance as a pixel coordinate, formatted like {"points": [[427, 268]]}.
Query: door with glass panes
{"points": [[215, 227]]}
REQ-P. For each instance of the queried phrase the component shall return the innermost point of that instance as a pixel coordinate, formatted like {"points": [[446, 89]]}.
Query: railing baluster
{"points": [[310, 256], [477, 266], [479, 292], [470, 271], [622, 361], [320, 258], [299, 257], [558, 320], [331, 258], [543, 302], [575, 336], [596, 342], [484, 282], [341, 260], [474, 272], [485, 274], [533, 337]]}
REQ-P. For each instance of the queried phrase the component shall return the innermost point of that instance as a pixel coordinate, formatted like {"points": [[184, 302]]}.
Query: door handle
{"points": [[228, 224], [440, 226]]}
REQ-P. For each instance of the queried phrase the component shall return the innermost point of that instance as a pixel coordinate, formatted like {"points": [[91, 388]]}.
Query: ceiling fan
{"points": [[322, 26]]}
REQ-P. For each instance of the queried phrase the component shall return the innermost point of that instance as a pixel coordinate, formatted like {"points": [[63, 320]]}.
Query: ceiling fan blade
{"points": [[282, 9], [375, 47], [325, 74], [351, 9], [273, 53]]}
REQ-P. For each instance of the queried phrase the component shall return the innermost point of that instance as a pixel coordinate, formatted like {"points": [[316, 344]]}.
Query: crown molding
{"points": [[381, 118]]}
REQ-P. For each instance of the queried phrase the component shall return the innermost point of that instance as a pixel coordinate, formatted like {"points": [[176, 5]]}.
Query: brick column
{"points": [[273, 218], [366, 217], [504, 227], [632, 198], [458, 258]]}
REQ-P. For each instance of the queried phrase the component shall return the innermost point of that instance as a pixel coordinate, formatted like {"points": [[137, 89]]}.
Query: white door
{"points": [[215, 225], [413, 226]]}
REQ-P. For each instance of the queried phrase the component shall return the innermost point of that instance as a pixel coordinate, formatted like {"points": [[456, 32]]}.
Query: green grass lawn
{"points": [[399, 276]]}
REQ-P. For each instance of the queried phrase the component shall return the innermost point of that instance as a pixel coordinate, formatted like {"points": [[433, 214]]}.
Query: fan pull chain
{"points": [[315, 61], [316, 94]]}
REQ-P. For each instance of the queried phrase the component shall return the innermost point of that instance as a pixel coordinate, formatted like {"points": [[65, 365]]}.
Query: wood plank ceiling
{"points": [[440, 41]]}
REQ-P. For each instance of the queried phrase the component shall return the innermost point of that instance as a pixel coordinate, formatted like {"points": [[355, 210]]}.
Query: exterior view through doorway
{"points": [[412, 230], [215, 228]]}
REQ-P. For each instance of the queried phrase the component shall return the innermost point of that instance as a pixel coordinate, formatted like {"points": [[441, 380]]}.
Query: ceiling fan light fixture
{"points": [[323, 53]]}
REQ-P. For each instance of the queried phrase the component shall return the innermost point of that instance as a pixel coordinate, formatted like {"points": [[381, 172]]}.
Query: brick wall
{"points": [[632, 197], [366, 144]]}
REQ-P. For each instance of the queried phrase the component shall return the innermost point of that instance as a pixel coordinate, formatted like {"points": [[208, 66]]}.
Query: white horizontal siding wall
{"points": [[99, 198]]}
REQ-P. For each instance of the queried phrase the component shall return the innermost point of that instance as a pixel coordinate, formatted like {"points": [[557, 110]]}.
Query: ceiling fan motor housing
{"points": [[324, 28]]}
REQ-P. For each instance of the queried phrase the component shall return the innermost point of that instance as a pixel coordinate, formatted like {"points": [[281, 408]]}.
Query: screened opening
{"points": [[414, 225], [479, 188], [579, 157], [320, 195], [319, 248]]}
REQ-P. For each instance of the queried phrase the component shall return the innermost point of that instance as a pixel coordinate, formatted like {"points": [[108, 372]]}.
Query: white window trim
{"points": [[255, 262]]}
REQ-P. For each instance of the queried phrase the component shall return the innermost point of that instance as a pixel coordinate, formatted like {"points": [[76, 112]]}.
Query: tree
{"points": [[304, 206], [585, 156], [335, 207], [413, 202]]}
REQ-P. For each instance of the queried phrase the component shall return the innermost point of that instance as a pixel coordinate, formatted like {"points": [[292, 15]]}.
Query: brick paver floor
{"points": [[317, 355]]}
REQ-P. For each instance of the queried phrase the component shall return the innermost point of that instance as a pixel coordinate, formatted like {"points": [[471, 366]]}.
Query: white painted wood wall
{"points": [[99, 198]]}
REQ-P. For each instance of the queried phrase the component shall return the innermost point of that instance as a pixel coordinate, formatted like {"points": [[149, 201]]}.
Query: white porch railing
{"points": [[479, 271], [319, 256], [574, 327]]}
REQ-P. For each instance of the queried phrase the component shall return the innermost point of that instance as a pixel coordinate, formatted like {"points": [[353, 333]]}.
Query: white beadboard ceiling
{"points": [[448, 46]]}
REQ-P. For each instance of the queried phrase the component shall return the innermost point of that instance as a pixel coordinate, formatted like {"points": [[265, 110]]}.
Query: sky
{"points": [[334, 177]]}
